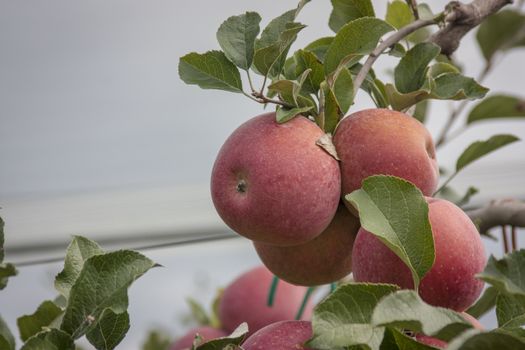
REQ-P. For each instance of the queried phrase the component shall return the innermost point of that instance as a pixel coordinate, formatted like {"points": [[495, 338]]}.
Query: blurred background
{"points": [[99, 137]]}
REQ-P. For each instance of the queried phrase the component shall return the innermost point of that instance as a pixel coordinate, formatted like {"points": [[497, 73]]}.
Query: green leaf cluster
{"points": [[93, 299]]}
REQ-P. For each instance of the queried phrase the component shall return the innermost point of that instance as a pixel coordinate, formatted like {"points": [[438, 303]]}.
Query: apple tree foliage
{"points": [[319, 81]]}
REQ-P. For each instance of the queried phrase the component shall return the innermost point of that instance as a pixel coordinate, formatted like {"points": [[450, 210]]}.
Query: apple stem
{"points": [[307, 295], [514, 239], [505, 240], [271, 292]]}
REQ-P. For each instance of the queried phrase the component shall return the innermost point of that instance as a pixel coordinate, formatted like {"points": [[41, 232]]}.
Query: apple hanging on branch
{"points": [[321, 194]]}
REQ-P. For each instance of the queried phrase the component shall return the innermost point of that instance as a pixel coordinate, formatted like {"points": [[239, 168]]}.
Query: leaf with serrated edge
{"points": [[405, 309], [79, 250], [398, 14], [344, 11], [236, 36], [479, 149], [411, 72], [354, 40], [330, 111], [343, 89], [271, 59], [506, 274], [395, 211], [475, 340], [497, 107], [210, 70], [50, 339], [44, 315], [284, 114], [454, 86], [7, 340], [501, 32], [109, 330], [510, 310], [343, 318], [236, 338], [319, 47], [103, 283], [306, 60], [484, 304]]}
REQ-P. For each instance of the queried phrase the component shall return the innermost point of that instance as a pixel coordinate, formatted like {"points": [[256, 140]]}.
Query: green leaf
{"points": [[44, 315], [272, 32], [236, 36], [471, 191], [395, 340], [354, 40], [506, 274], [102, 283], [344, 11], [305, 60], [411, 72], [7, 341], [156, 341], [210, 70], [476, 340], [271, 59], [406, 310], [330, 113], [79, 250], [397, 50], [343, 89], [420, 113], [395, 211], [502, 31], [398, 14], [6, 270], [485, 303], [454, 86], [109, 330], [236, 338], [510, 310], [516, 332], [479, 149], [2, 224], [197, 311], [496, 107], [343, 318], [285, 114], [50, 339], [441, 68], [319, 47]]}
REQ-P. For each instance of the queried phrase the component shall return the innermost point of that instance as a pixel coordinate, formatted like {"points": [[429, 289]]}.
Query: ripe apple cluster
{"points": [[273, 184]]}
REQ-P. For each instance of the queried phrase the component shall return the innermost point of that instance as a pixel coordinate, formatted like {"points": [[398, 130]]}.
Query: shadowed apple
{"points": [[385, 142], [451, 281], [285, 335], [325, 259], [272, 183], [245, 300]]}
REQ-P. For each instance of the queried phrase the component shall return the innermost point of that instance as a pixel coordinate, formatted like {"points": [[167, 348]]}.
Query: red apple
{"points": [[272, 183], [245, 300], [207, 334], [284, 335], [325, 259], [451, 281], [383, 141]]}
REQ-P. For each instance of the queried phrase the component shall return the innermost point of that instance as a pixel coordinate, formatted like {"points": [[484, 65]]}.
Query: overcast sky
{"points": [[90, 96]]}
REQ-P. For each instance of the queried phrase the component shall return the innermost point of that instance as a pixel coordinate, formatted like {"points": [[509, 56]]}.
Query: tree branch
{"points": [[499, 212], [460, 19]]}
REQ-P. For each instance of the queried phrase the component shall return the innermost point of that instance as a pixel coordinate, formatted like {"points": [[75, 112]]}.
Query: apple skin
{"points": [[245, 300], [207, 333], [325, 259], [451, 281], [284, 335], [272, 183], [441, 344], [383, 141]]}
